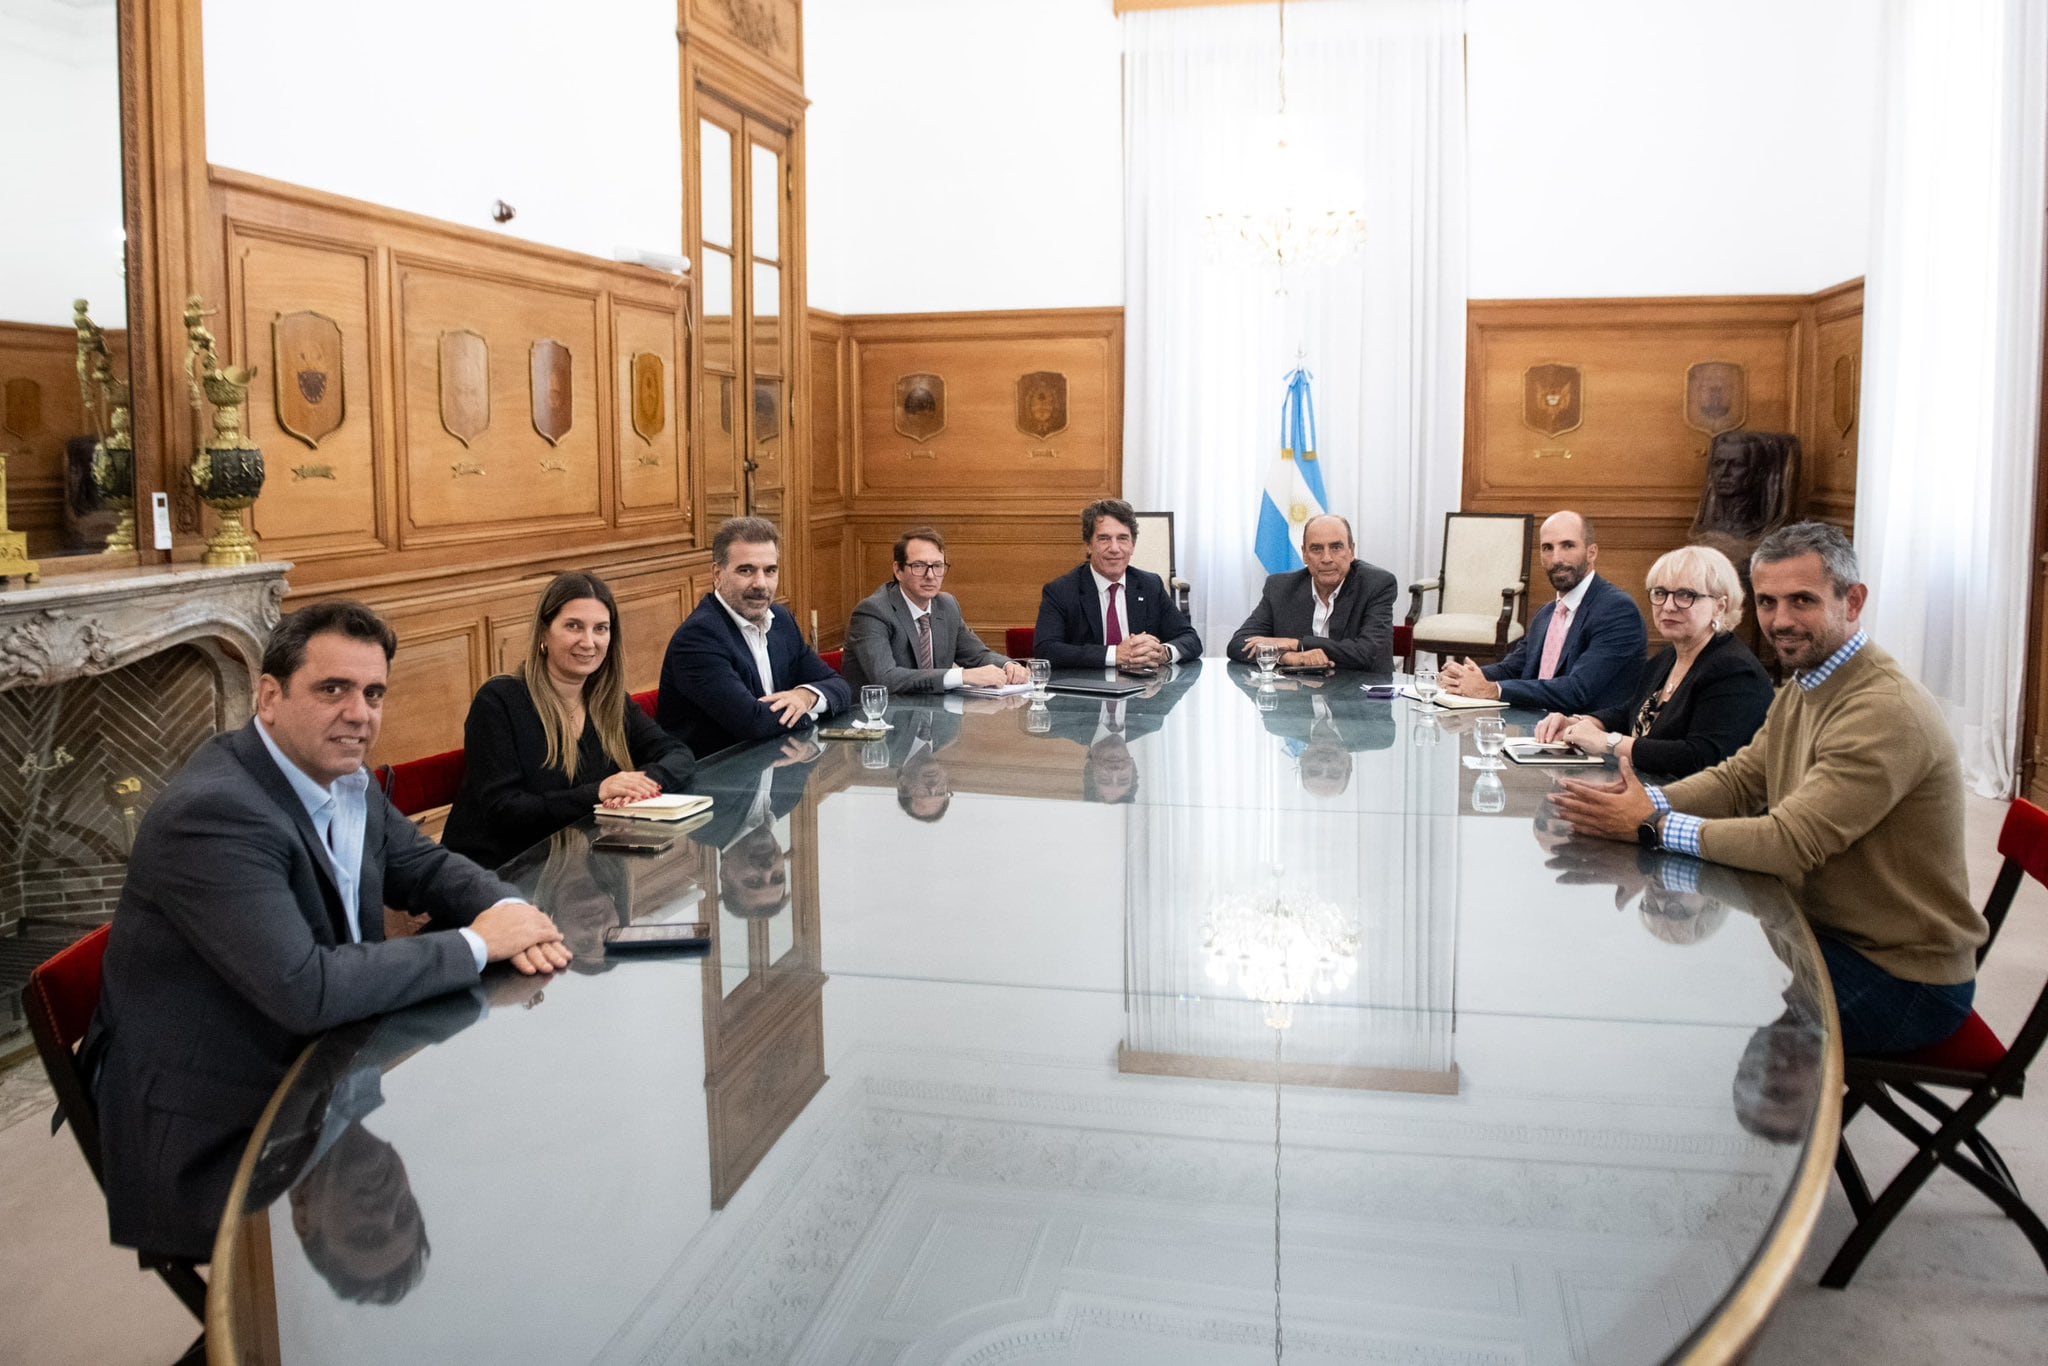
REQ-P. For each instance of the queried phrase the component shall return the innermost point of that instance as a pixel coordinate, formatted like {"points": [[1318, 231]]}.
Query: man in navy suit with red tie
{"points": [[1586, 649], [1107, 614]]}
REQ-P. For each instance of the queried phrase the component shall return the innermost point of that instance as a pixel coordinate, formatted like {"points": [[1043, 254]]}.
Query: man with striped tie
{"points": [[910, 637]]}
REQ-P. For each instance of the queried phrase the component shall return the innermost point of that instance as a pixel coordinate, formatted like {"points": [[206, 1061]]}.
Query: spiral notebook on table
{"points": [[669, 806], [1453, 703]]}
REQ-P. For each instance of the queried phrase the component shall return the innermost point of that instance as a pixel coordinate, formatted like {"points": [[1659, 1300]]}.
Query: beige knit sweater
{"points": [[1853, 794]]}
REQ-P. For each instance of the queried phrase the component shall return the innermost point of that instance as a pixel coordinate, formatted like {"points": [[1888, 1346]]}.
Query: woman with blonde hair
{"points": [[1703, 697], [545, 745]]}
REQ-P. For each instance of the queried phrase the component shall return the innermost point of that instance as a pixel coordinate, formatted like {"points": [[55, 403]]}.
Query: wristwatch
{"points": [[1650, 834], [1614, 739]]}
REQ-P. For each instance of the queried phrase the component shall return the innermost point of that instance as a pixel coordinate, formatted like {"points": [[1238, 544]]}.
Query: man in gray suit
{"points": [[1336, 613], [253, 919], [910, 637]]}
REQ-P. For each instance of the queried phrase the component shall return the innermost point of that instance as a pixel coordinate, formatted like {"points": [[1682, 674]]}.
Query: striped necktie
{"points": [[924, 641]]}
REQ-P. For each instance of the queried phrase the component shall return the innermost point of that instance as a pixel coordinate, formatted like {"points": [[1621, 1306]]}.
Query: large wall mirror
{"points": [[61, 240]]}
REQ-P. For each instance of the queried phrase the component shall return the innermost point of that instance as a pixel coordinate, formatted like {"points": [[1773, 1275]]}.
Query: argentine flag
{"points": [[1294, 483]]}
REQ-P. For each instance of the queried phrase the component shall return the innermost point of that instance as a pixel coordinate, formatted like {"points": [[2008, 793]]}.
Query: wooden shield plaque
{"points": [[21, 411], [307, 375], [553, 408], [1844, 397], [650, 395], [1552, 399], [1716, 396], [465, 384], [920, 406], [1041, 403]]}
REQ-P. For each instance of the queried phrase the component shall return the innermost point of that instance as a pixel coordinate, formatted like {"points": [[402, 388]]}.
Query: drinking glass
{"points": [[874, 754], [1425, 678], [1268, 699], [1425, 730], [1489, 734], [1489, 794], [1041, 678], [1038, 720], [1269, 660], [874, 700]]}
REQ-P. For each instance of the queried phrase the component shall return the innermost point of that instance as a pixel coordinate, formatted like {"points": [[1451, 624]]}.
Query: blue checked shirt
{"points": [[1682, 832]]}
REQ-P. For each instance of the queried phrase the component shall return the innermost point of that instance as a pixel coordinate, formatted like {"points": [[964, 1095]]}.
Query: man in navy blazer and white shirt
{"points": [[1586, 649], [738, 668], [1107, 614]]}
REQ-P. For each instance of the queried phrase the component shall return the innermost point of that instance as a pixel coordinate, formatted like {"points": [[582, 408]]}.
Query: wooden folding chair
{"points": [[1947, 1133]]}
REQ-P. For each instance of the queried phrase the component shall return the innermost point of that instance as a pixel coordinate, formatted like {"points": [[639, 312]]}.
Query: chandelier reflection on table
{"points": [[1284, 948]]}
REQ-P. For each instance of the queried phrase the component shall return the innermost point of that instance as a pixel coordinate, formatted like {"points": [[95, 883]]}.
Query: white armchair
{"points": [[1484, 574], [1154, 553]]}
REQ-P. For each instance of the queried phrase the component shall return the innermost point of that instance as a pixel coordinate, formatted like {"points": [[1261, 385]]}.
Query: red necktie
{"points": [[1113, 630]]}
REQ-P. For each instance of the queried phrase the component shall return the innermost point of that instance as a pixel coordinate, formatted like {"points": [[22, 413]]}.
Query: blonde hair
{"points": [[604, 692], [1702, 567]]}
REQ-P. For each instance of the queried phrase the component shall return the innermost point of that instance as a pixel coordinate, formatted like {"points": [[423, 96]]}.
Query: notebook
{"points": [[1556, 752], [1452, 703], [669, 806]]}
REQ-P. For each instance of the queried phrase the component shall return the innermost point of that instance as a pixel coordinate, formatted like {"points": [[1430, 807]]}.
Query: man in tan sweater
{"points": [[1851, 793]]}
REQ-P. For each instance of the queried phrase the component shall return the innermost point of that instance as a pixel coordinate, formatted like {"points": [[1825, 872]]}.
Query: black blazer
{"points": [[1361, 628], [510, 799], [1602, 663], [711, 692], [1718, 707], [1070, 618], [229, 952]]}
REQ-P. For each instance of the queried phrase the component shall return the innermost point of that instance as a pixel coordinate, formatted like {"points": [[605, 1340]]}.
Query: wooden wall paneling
{"points": [[980, 453], [763, 37], [652, 476], [824, 412], [647, 618], [321, 497], [438, 668], [831, 594], [508, 478], [40, 411], [999, 561], [1633, 452], [1832, 436]]}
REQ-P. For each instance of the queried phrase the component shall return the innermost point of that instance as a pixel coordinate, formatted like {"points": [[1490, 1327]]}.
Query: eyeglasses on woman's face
{"points": [[1681, 598]]}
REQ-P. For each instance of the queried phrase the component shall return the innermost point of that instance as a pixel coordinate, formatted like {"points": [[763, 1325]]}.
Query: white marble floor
{"points": [[1952, 1282]]}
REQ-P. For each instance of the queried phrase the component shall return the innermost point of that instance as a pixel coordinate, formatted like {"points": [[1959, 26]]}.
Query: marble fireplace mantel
{"points": [[79, 625]]}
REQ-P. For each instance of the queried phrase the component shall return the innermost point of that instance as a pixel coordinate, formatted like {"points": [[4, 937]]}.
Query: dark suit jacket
{"points": [[711, 692], [1718, 708], [229, 951], [1361, 626], [881, 643], [1602, 663], [1070, 618], [510, 799]]}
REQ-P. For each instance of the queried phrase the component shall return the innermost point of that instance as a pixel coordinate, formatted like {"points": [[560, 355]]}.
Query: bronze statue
{"points": [[1752, 480]]}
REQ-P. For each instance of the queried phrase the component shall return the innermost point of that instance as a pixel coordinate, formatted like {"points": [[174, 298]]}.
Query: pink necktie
{"points": [[1113, 630], [1553, 641]]}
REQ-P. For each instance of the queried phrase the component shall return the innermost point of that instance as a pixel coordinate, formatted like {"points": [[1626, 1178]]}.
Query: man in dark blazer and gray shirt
{"points": [[1108, 613], [1336, 613], [253, 919], [910, 637]]}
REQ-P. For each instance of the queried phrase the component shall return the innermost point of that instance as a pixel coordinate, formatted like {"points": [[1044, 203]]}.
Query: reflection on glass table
{"points": [[1089, 1040]]}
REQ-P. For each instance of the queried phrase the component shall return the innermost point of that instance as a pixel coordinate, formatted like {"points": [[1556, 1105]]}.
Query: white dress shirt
{"points": [[1123, 616], [1319, 624], [757, 645], [954, 674], [1570, 601], [340, 813]]}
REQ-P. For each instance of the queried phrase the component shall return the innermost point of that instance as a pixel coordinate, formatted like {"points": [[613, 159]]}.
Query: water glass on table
{"points": [[1425, 679], [1489, 735], [874, 700], [1269, 661], [1041, 678]]}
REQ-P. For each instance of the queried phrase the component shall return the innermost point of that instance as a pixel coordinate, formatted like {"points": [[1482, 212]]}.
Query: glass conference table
{"points": [[1219, 1025]]}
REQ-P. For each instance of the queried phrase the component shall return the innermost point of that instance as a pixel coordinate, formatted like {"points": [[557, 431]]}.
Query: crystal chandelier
{"points": [[1285, 227], [1284, 949]]}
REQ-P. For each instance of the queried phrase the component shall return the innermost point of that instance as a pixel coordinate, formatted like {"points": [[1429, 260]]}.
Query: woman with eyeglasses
{"points": [[1703, 696], [545, 745]]}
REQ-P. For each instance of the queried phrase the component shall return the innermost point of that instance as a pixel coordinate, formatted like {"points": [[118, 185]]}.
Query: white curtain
{"points": [[1952, 361], [1376, 106]]}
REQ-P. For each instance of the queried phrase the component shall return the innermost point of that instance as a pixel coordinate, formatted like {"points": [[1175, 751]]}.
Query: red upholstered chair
{"points": [[422, 784], [646, 701], [835, 658], [61, 996], [1404, 646], [1020, 641], [1973, 1062]]}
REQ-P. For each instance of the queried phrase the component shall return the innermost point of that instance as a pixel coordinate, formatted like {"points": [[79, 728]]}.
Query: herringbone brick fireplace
{"points": [[95, 752]]}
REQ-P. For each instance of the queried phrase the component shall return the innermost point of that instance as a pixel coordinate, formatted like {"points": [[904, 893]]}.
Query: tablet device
{"points": [[634, 840], [677, 935], [1098, 687]]}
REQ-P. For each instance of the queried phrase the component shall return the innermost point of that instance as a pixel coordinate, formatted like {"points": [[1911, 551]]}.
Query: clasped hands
{"points": [[1463, 678], [521, 934], [1142, 652], [1292, 656]]}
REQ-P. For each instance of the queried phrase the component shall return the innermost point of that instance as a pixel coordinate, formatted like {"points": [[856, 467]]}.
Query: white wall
{"points": [[964, 154], [60, 107], [443, 107], [1623, 147]]}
